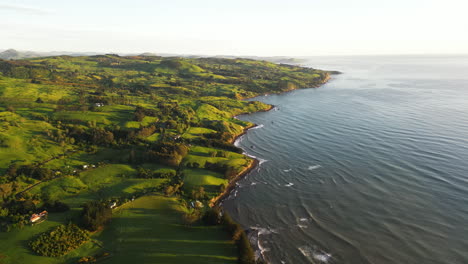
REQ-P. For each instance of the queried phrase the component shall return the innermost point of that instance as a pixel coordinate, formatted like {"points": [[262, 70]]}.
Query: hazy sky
{"points": [[239, 27]]}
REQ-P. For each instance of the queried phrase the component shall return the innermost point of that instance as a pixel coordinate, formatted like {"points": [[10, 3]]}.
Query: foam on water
{"points": [[257, 126], [322, 257], [263, 230], [238, 141], [314, 167], [260, 160], [314, 254]]}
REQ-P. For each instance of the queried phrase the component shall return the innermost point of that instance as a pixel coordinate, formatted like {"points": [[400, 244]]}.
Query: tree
{"points": [[95, 214], [39, 100], [198, 193], [246, 253], [190, 218], [222, 187], [211, 216], [169, 190], [56, 206], [10, 109]]}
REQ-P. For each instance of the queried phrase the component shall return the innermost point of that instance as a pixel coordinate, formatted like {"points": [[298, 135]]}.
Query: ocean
{"points": [[371, 167]]}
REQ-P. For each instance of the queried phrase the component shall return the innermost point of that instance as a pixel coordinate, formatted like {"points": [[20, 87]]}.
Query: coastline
{"points": [[216, 201], [232, 184]]}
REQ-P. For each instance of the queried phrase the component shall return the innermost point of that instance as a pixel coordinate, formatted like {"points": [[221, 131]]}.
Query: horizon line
{"points": [[126, 53]]}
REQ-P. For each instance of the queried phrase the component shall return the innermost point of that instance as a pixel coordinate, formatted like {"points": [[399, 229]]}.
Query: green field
{"points": [[149, 230], [200, 177], [112, 180], [14, 245], [110, 128]]}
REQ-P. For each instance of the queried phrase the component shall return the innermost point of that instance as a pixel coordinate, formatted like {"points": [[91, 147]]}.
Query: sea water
{"points": [[369, 168]]}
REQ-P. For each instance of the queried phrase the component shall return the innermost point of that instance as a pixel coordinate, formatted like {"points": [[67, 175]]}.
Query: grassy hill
{"points": [[149, 230], [109, 128]]}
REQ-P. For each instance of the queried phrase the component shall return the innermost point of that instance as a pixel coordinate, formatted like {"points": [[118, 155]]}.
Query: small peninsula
{"points": [[119, 159]]}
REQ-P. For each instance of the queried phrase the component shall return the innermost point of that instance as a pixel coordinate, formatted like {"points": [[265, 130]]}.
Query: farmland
{"points": [[149, 136]]}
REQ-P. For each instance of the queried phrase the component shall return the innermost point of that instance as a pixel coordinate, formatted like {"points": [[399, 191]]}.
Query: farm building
{"points": [[35, 218]]}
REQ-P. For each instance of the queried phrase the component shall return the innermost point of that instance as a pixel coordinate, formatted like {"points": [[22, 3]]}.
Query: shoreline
{"points": [[217, 201]]}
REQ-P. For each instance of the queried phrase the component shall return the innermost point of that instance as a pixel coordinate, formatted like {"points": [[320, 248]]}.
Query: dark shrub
{"points": [[95, 215]]}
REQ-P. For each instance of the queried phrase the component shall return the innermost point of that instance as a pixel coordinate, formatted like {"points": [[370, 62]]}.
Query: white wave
{"points": [[263, 230], [238, 141], [260, 160], [314, 167], [250, 155], [253, 183], [257, 126], [262, 248], [303, 219], [315, 254], [306, 251], [288, 170], [323, 257], [238, 185], [301, 226], [289, 184]]}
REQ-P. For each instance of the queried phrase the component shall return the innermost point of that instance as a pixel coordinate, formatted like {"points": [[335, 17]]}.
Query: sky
{"points": [[240, 27]]}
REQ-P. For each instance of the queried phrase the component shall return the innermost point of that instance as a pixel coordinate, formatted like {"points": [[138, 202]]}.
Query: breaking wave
{"points": [[314, 167], [315, 255]]}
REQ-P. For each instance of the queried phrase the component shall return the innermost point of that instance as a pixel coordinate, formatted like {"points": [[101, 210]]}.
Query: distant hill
{"points": [[12, 54]]}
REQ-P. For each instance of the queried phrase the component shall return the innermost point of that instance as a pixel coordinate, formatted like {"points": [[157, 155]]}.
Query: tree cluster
{"points": [[150, 174], [246, 253], [31, 171], [59, 241], [95, 214], [167, 153]]}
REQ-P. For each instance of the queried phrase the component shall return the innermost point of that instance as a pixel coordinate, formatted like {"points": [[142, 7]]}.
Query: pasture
{"points": [[150, 230]]}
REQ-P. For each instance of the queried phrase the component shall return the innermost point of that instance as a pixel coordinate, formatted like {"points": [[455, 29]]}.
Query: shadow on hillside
{"points": [[157, 236]]}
